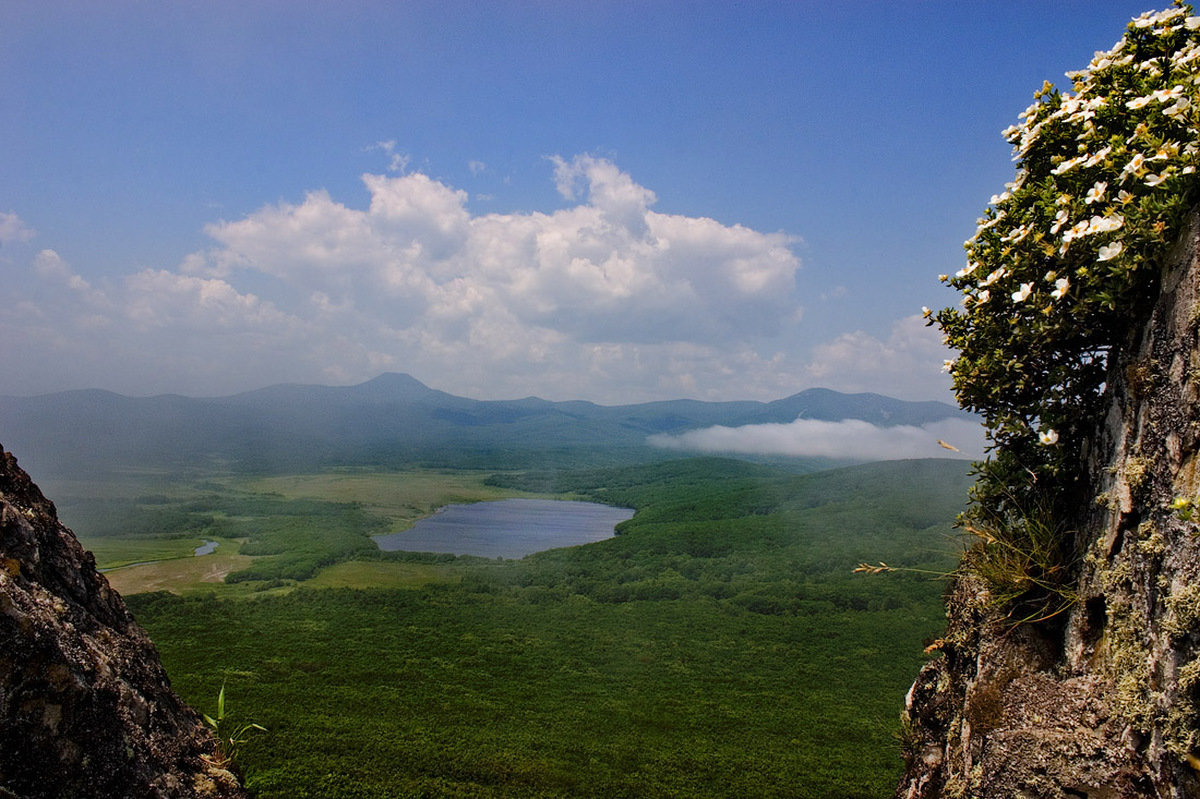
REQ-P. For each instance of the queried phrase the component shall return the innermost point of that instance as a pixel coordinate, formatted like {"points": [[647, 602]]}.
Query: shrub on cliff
{"points": [[1063, 262]]}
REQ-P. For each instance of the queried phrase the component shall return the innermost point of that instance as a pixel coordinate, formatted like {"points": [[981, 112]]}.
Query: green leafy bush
{"points": [[1068, 258]]}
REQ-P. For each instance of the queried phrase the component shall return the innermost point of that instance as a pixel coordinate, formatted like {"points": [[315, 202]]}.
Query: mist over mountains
{"points": [[395, 420]]}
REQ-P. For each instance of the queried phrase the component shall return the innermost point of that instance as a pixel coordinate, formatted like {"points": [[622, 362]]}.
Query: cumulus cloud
{"points": [[154, 329], [50, 265], [850, 439], [604, 280], [13, 229], [906, 364], [605, 298]]}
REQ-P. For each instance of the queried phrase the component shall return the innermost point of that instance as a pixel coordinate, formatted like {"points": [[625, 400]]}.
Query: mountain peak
{"points": [[391, 384]]}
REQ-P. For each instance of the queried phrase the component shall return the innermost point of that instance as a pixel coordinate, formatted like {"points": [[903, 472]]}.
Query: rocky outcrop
{"points": [[86, 709], [1103, 701]]}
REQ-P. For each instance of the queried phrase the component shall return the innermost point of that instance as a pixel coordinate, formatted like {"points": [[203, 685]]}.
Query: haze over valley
{"points": [[286, 283]]}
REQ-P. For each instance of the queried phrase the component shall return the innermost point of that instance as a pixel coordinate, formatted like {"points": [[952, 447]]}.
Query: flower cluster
{"points": [[1066, 257]]}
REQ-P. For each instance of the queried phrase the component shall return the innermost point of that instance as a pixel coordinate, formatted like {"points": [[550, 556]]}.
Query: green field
{"points": [[281, 529], [719, 646]]}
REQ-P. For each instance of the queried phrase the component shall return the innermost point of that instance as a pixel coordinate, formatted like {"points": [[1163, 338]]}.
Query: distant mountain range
{"points": [[393, 420]]}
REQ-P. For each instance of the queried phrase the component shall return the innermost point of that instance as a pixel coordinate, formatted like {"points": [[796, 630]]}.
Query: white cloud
{"points": [[851, 439], [148, 332], [397, 161], [604, 299], [907, 364], [13, 229], [50, 265], [525, 295]]}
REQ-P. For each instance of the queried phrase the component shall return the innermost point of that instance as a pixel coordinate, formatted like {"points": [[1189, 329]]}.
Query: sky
{"points": [[610, 201]]}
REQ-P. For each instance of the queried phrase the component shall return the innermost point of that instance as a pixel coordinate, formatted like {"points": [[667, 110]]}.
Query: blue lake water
{"points": [[507, 528], [207, 548]]}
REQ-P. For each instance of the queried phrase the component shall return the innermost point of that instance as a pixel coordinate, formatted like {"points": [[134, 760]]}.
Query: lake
{"points": [[507, 528]]}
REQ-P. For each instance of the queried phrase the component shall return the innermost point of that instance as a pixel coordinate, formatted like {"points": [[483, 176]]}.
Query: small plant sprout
{"points": [[1186, 510], [230, 736]]}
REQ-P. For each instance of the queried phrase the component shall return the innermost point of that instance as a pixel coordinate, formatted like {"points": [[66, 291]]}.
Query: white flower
{"points": [[1166, 15], [1028, 138], [983, 296], [1154, 180], [966, 270], [1191, 23], [1023, 293], [1110, 251], [1136, 166], [1017, 234], [1060, 288], [1048, 437], [1078, 230], [1166, 152], [1139, 102], [998, 198], [1097, 158], [947, 366], [925, 312], [1180, 106], [1096, 193], [994, 276], [1104, 224], [1068, 165], [1060, 219], [1186, 56], [1163, 95]]}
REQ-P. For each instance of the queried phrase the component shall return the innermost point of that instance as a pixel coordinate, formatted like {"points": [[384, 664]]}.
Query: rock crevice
{"points": [[86, 709], [1102, 702]]}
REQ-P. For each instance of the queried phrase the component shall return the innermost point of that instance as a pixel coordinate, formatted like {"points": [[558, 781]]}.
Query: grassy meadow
{"points": [[720, 645]]}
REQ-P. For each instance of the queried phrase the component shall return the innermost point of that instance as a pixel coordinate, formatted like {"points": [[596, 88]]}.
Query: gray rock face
{"points": [[86, 709], [1104, 704]]}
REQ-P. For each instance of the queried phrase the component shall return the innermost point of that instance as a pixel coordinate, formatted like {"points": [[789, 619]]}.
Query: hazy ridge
{"points": [[390, 420]]}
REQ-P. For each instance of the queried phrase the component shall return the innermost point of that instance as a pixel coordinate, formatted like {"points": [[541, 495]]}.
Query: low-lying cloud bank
{"points": [[850, 439]]}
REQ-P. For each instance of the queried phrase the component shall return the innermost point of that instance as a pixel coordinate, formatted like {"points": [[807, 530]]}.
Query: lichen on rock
{"points": [[86, 709], [1091, 396]]}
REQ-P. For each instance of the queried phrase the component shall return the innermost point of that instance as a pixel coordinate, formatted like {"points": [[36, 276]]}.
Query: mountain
{"points": [[391, 420]]}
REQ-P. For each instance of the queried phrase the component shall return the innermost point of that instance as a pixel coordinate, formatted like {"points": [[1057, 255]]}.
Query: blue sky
{"points": [[612, 201]]}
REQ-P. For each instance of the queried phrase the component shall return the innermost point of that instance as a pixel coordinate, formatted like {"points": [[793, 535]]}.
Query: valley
{"points": [[720, 644], [691, 655]]}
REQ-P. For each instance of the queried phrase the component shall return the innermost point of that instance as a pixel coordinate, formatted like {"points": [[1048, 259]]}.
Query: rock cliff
{"points": [[86, 709], [1102, 701]]}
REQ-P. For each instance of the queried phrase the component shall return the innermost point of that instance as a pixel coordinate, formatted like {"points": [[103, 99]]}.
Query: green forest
{"points": [[719, 645]]}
